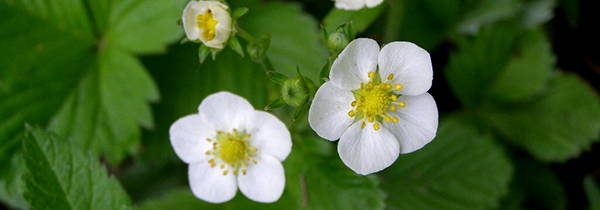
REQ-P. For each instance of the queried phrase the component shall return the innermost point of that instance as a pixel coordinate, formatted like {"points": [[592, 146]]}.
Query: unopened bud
{"points": [[294, 92]]}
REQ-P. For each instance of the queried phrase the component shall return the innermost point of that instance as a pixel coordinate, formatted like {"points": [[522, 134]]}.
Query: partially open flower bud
{"points": [[294, 92], [208, 22]]}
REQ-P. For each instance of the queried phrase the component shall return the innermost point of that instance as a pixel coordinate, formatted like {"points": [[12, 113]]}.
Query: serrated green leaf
{"points": [[557, 125], [70, 65], [60, 176], [527, 72], [138, 26], [478, 62], [360, 19], [459, 169], [503, 64], [294, 37]]}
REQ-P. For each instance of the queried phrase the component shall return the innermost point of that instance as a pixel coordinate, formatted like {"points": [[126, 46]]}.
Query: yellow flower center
{"points": [[231, 151], [207, 23], [375, 99]]}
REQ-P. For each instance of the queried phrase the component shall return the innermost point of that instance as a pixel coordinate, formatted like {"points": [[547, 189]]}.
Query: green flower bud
{"points": [[336, 41], [294, 92]]}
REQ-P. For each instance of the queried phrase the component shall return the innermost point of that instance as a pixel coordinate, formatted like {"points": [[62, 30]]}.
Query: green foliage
{"points": [[501, 64], [360, 19], [71, 64], [71, 68], [429, 22], [592, 190], [559, 124], [61, 176], [460, 169], [294, 37], [534, 186]]}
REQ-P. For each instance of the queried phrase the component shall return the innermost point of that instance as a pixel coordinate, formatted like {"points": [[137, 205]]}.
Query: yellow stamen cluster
{"points": [[375, 99], [231, 151], [207, 22]]}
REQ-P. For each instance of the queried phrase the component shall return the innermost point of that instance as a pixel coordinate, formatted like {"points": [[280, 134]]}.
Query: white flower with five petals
{"points": [[207, 21], [356, 4], [228, 145], [376, 103]]}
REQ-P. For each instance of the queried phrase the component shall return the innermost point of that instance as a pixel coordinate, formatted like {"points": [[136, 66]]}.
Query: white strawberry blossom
{"points": [[376, 103], [229, 145], [356, 4], [208, 22]]}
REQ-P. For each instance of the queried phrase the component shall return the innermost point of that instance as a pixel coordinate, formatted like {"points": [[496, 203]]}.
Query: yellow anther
{"points": [[390, 76], [244, 171], [225, 172], [393, 97], [376, 126], [363, 125], [394, 119], [398, 87], [222, 166], [351, 113], [392, 108], [208, 139], [371, 74], [353, 103], [371, 119], [207, 23], [207, 152], [402, 104]]}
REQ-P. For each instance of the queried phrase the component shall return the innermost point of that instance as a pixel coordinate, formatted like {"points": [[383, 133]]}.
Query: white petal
{"points": [[328, 113], [353, 64], [269, 135], [373, 3], [366, 151], [410, 64], [188, 137], [210, 184], [418, 122], [264, 182], [225, 110], [349, 4], [189, 21]]}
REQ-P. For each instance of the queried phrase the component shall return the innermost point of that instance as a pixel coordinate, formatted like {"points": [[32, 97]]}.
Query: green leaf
{"points": [[138, 26], [527, 72], [485, 13], [312, 182], [460, 169], [535, 186], [500, 64], [12, 186], [70, 65], [104, 113], [295, 38], [592, 190], [429, 22], [360, 19], [60, 176], [557, 125]]}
